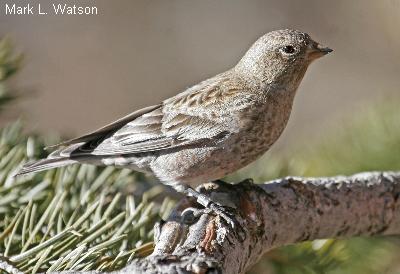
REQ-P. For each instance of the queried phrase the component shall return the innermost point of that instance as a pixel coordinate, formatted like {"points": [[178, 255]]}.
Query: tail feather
{"points": [[44, 164]]}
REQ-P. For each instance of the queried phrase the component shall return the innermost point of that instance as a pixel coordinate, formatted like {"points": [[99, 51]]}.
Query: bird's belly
{"points": [[191, 166], [203, 164]]}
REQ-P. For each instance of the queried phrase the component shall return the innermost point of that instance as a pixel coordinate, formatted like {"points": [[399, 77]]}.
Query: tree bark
{"points": [[270, 215]]}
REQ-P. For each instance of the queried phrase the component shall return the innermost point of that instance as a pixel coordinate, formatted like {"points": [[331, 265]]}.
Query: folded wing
{"points": [[181, 120]]}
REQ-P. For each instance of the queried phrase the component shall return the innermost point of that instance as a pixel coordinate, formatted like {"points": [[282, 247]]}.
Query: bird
{"points": [[209, 130]]}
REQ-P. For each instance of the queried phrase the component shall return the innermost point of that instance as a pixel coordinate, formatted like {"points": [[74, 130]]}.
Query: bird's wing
{"points": [[181, 120], [99, 133]]}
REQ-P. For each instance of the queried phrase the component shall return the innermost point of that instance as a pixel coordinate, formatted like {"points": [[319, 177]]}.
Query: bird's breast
{"points": [[267, 125]]}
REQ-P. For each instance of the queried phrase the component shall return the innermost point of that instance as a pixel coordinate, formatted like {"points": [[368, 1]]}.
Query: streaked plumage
{"points": [[213, 128]]}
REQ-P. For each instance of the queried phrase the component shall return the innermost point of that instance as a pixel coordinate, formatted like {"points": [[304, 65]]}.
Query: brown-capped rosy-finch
{"points": [[211, 129]]}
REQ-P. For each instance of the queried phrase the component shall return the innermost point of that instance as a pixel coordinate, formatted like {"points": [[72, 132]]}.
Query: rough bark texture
{"points": [[270, 215]]}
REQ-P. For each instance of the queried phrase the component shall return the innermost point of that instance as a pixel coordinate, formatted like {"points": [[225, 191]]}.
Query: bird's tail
{"points": [[44, 164]]}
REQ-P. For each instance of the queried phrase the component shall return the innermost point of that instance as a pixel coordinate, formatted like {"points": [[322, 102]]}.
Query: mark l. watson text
{"points": [[56, 9]]}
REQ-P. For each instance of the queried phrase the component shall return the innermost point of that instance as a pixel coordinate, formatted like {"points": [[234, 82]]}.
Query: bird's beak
{"points": [[317, 50]]}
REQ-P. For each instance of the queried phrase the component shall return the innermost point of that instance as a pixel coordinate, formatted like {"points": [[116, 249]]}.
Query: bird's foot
{"points": [[191, 214], [224, 212]]}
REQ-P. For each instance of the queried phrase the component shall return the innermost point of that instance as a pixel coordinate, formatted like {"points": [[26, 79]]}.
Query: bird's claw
{"points": [[224, 213], [191, 214]]}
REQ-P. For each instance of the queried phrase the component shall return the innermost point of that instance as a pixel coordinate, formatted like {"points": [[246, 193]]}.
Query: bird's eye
{"points": [[288, 49]]}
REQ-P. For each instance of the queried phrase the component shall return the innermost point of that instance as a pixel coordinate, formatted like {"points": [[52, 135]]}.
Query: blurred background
{"points": [[80, 72], [89, 70]]}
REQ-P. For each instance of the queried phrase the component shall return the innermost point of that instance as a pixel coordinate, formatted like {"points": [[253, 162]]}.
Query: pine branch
{"points": [[277, 213]]}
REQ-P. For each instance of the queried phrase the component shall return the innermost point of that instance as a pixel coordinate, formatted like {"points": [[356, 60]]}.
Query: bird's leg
{"points": [[205, 201]]}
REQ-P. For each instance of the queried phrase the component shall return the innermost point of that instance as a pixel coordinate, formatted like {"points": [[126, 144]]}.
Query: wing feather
{"points": [[180, 120], [107, 128]]}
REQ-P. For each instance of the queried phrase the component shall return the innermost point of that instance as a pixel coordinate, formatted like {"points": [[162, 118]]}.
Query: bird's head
{"points": [[282, 56]]}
